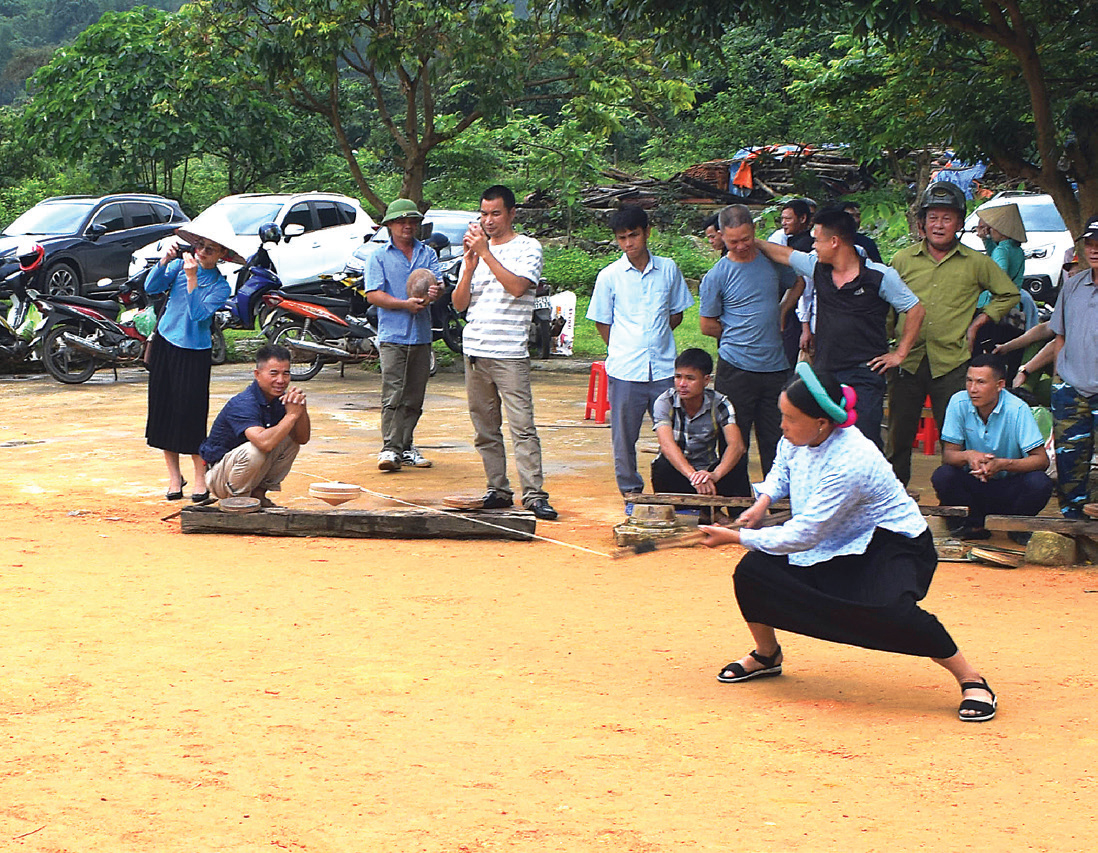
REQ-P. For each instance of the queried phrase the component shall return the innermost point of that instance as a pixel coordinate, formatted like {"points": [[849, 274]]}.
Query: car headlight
{"points": [[1038, 252]]}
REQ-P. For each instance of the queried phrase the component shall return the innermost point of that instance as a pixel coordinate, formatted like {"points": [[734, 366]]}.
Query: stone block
{"points": [[1046, 548]]}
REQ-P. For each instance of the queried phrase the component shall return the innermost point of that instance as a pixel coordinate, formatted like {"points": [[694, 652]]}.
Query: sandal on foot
{"points": [[984, 711], [734, 672]]}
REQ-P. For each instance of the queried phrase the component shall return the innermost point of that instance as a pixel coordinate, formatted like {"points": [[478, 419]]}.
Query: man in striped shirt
{"points": [[500, 269]]}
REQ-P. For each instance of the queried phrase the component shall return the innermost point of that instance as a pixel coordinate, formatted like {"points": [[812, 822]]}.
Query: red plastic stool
{"points": [[927, 434], [598, 400]]}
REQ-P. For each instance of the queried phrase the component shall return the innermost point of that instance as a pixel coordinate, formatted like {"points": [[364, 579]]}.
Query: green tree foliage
{"points": [[140, 94], [743, 96], [429, 71], [1032, 94], [30, 31]]}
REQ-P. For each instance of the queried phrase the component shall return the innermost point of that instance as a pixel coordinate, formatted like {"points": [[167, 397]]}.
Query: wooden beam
{"points": [[668, 499], [1067, 526], [944, 511], [361, 524]]}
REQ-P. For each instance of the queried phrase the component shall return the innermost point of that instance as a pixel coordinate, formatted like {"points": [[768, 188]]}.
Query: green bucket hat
{"points": [[402, 208]]}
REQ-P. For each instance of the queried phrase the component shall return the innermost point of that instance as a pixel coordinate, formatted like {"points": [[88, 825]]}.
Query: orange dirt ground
{"points": [[167, 692]]}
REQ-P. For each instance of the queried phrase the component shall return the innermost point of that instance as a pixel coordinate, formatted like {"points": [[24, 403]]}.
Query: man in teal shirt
{"points": [[993, 453]]}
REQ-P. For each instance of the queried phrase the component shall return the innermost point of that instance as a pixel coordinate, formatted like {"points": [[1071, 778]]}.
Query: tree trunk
{"points": [[415, 172], [356, 171]]}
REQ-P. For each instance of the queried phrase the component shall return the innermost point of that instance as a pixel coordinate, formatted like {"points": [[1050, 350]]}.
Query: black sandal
{"points": [[984, 710], [738, 673]]}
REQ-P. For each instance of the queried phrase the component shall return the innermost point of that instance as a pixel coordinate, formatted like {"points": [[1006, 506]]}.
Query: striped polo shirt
{"points": [[498, 324]]}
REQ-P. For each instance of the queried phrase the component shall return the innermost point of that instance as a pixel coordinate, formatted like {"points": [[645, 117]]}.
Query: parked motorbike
{"points": [[81, 336], [324, 329], [255, 278], [543, 326], [19, 330]]}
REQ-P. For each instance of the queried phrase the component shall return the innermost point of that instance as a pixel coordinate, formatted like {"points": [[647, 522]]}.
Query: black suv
{"points": [[87, 238]]}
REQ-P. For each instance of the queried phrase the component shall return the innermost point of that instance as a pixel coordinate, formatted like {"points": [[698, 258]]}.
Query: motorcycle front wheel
{"points": [[219, 351], [451, 331], [540, 341], [304, 365], [64, 363]]}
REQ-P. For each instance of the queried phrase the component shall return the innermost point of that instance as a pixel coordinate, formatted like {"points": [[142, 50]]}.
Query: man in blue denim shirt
{"points": [[404, 333]]}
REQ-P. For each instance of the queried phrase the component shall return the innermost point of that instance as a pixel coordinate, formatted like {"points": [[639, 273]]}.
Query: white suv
{"points": [[1047, 244], [319, 231]]}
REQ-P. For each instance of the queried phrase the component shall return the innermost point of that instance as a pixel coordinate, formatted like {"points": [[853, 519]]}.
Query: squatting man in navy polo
{"points": [[255, 438]]}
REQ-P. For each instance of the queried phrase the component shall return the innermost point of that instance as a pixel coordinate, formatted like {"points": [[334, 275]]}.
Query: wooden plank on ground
{"points": [[1067, 526], [944, 511], [668, 499], [361, 524]]}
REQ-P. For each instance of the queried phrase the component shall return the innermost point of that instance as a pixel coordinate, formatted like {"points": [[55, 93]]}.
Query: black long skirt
{"points": [[179, 397], [866, 600]]}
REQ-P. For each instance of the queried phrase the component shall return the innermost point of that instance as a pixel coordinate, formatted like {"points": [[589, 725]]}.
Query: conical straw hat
{"points": [[212, 225], [1005, 219]]}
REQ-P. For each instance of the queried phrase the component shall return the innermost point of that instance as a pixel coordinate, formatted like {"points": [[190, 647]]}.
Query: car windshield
{"points": [[247, 216], [1041, 217], [51, 218]]}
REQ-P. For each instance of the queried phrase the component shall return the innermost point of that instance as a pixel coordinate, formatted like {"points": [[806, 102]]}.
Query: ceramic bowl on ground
{"points": [[335, 493], [238, 504]]}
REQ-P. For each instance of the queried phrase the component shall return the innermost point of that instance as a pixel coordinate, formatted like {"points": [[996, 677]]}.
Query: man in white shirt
{"points": [[499, 272], [637, 303]]}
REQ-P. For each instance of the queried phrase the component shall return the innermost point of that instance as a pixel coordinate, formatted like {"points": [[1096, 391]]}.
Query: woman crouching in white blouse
{"points": [[854, 559]]}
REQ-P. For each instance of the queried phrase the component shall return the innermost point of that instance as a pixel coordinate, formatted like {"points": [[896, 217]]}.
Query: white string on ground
{"points": [[475, 520]]}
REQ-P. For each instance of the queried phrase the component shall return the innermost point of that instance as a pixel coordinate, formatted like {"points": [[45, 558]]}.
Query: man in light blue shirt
{"points": [[637, 303], [404, 333], [993, 453], [740, 300]]}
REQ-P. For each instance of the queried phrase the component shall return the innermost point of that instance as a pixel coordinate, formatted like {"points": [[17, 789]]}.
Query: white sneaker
{"points": [[387, 460], [414, 459]]}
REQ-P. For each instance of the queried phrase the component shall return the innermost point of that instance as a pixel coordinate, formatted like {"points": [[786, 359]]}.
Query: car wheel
{"points": [[62, 280], [304, 365], [63, 362]]}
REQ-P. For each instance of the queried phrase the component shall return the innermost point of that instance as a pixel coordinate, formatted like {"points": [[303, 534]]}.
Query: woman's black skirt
{"points": [[179, 397], [866, 600]]}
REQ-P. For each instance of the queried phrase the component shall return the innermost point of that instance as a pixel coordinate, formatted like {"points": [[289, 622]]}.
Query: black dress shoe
{"points": [[541, 509], [494, 500]]}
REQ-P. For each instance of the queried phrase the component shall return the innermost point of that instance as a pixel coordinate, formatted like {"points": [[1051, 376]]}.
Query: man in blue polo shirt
{"points": [[740, 307], [637, 303], [255, 438], [992, 449], [404, 333]]}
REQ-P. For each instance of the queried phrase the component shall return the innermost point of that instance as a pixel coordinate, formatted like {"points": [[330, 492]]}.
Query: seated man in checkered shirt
{"points": [[701, 449]]}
